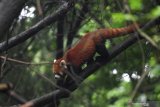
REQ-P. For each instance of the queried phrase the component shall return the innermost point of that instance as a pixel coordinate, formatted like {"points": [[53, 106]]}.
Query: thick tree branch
{"points": [[59, 94], [59, 37], [37, 27]]}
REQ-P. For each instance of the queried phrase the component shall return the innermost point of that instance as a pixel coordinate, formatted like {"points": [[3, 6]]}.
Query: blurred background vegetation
{"points": [[110, 86]]}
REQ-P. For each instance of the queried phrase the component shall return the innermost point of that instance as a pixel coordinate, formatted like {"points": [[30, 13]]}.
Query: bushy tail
{"points": [[115, 32]]}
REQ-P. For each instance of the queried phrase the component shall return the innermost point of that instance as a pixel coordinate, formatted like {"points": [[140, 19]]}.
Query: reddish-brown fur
{"points": [[86, 47]]}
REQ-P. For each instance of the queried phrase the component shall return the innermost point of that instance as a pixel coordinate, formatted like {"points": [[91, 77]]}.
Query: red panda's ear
{"points": [[54, 61], [63, 64]]}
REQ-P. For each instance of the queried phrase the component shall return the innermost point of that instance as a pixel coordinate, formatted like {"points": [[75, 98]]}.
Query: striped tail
{"points": [[115, 32]]}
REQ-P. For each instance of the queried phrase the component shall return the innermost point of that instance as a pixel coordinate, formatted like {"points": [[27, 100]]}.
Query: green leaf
{"points": [[135, 4], [156, 71], [152, 61], [154, 12], [118, 17], [130, 17]]}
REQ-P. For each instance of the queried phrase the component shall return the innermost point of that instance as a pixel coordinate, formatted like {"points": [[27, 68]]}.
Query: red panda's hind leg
{"points": [[102, 51], [90, 61]]}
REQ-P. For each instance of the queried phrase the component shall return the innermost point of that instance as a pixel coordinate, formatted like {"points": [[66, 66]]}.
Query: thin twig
{"points": [[137, 86], [3, 66], [23, 62]]}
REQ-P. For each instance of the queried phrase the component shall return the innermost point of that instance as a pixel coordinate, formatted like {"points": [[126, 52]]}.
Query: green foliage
{"points": [[118, 17], [155, 12], [136, 4], [90, 26], [121, 18], [156, 71]]}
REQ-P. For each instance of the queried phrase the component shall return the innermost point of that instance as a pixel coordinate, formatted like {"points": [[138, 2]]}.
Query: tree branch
{"points": [[59, 94], [37, 27], [59, 37]]}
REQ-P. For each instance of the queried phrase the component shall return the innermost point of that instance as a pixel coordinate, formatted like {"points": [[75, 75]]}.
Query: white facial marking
{"points": [[54, 60], [57, 76]]}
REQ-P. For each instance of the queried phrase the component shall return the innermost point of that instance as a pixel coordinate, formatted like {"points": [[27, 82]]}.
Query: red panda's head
{"points": [[59, 67]]}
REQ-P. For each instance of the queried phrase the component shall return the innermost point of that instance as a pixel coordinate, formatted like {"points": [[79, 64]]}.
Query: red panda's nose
{"points": [[58, 75]]}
